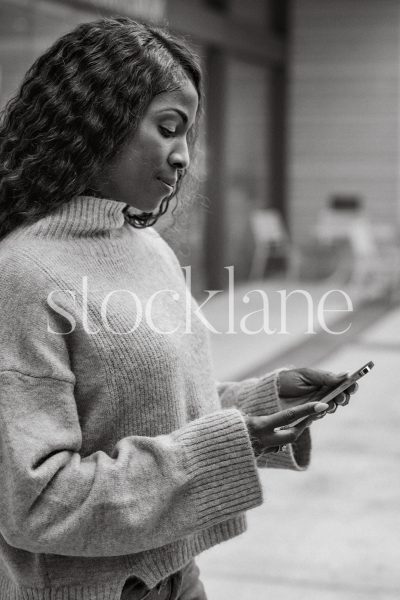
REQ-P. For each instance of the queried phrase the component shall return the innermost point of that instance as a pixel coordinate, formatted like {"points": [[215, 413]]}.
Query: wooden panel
{"points": [[344, 115]]}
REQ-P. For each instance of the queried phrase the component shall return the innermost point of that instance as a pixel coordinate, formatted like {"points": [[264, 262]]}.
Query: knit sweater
{"points": [[119, 454]]}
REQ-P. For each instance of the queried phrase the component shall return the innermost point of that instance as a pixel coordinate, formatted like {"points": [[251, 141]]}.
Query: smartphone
{"points": [[364, 370], [338, 389]]}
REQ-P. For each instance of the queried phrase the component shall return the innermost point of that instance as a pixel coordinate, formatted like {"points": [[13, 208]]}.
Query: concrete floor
{"points": [[332, 532]]}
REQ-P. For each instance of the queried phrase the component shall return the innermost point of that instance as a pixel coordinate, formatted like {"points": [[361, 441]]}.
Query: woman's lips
{"points": [[167, 186]]}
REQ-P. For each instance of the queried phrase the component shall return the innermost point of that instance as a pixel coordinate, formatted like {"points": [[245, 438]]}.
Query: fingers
{"points": [[326, 378], [340, 394], [353, 388], [322, 379], [332, 407], [289, 416], [344, 397], [290, 435], [346, 401], [342, 400]]}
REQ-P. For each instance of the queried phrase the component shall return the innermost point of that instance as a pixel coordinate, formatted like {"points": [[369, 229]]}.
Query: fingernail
{"points": [[320, 407]]}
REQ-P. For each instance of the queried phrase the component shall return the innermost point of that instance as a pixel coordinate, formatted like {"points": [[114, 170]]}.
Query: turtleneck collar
{"points": [[83, 216]]}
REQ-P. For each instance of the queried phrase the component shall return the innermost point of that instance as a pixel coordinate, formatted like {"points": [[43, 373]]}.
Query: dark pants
{"points": [[182, 585]]}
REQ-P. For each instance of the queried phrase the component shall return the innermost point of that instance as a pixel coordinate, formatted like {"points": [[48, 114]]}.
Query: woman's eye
{"points": [[166, 132]]}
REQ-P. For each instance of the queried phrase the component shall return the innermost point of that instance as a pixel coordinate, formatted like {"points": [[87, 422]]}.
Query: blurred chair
{"points": [[370, 261], [270, 239]]}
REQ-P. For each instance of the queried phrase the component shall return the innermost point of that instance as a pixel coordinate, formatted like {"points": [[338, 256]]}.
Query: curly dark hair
{"points": [[77, 105]]}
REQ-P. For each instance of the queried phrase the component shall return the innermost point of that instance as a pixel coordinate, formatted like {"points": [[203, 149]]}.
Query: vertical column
{"points": [[215, 229], [278, 73], [277, 140]]}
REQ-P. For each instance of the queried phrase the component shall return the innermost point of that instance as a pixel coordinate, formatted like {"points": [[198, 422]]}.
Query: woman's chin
{"points": [[148, 207]]}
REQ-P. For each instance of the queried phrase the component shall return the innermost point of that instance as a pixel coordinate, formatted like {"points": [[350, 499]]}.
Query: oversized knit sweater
{"points": [[119, 454]]}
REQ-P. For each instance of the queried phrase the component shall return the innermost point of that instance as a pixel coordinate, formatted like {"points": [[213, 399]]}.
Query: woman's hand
{"points": [[297, 386], [265, 434]]}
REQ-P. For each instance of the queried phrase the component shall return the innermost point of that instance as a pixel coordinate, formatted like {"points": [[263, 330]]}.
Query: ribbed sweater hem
{"points": [[150, 566], [158, 563], [99, 591]]}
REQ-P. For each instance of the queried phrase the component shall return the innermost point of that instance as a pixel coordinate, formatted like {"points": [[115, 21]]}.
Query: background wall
{"points": [[344, 108]]}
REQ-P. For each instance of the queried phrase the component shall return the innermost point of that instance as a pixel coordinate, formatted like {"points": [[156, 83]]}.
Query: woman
{"points": [[120, 458]]}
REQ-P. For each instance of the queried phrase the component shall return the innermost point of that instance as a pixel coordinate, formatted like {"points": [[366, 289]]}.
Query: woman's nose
{"points": [[179, 157]]}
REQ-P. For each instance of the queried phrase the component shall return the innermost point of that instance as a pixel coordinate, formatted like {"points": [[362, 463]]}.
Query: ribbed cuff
{"points": [[295, 456], [259, 397], [221, 466]]}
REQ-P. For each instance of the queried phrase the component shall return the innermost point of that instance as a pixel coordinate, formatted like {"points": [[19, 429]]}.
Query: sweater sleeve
{"points": [[260, 397], [147, 492]]}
